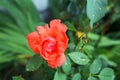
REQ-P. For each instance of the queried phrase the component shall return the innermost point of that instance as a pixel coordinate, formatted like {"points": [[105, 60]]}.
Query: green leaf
{"points": [[95, 66], [67, 65], [34, 63], [107, 74], [13, 35], [16, 14], [96, 9], [11, 46], [6, 57], [60, 76], [108, 42], [78, 46], [76, 76], [109, 62], [32, 9], [17, 78], [105, 41], [71, 46], [92, 78], [79, 58], [88, 51], [71, 27], [4, 17]]}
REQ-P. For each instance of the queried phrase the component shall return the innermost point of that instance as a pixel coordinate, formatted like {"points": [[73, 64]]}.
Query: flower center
{"points": [[49, 44]]}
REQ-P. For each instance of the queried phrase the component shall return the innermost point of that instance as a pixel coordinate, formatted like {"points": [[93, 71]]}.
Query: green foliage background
{"points": [[98, 60]]}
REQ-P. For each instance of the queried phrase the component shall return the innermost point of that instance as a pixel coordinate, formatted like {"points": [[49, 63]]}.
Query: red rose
{"points": [[50, 42]]}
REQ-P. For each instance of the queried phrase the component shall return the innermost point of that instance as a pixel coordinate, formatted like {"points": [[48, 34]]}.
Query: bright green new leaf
{"points": [[96, 9], [59, 76], [107, 74], [34, 63], [92, 78], [76, 76], [67, 65], [79, 58], [95, 66]]}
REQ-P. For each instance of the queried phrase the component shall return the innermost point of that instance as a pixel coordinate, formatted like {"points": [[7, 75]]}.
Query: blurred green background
{"points": [[20, 17]]}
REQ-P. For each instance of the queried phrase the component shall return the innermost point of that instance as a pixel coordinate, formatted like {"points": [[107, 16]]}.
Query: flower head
{"points": [[50, 42]]}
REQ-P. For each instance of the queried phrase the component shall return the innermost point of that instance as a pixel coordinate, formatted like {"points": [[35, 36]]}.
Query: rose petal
{"points": [[50, 42], [50, 56], [57, 62], [61, 60], [33, 41], [63, 26], [47, 28], [62, 41], [42, 31], [56, 24]]}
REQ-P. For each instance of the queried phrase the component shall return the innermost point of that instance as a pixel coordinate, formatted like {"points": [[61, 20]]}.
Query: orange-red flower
{"points": [[50, 42]]}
